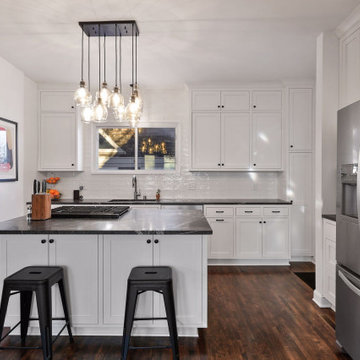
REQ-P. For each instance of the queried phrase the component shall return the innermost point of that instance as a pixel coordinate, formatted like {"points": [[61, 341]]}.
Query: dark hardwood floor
{"points": [[254, 313]]}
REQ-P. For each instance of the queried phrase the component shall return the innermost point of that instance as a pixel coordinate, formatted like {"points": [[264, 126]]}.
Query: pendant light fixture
{"points": [[87, 112], [133, 109], [82, 96], [104, 99], [100, 110]]}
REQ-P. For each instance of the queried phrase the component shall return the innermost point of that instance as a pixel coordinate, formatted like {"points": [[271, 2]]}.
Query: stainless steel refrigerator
{"points": [[348, 231]]}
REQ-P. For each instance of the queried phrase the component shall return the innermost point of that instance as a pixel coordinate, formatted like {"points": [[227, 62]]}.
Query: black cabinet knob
{"points": [[254, 106], [260, 222], [218, 106], [222, 164], [73, 107], [219, 164], [264, 222], [291, 146], [43, 241], [254, 164], [156, 241], [72, 164], [51, 241], [222, 106], [148, 241]]}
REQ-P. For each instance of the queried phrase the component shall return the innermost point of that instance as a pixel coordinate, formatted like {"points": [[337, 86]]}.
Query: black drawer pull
{"points": [[148, 241], [219, 219], [276, 211], [219, 212], [248, 212]]}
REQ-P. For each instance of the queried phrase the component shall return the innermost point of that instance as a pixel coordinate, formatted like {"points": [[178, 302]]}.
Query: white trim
{"points": [[302, 259], [247, 262], [350, 24], [320, 301], [94, 148]]}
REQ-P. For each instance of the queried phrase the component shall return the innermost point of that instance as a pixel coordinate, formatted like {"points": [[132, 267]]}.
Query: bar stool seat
{"points": [[38, 279], [150, 278]]}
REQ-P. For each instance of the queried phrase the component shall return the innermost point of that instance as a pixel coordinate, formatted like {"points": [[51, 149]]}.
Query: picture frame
{"points": [[8, 150]]}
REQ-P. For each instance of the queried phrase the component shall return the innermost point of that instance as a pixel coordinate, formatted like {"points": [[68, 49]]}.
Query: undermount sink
{"points": [[131, 200]]}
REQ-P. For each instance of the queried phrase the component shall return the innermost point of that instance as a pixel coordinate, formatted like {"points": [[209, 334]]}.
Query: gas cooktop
{"points": [[90, 212]]}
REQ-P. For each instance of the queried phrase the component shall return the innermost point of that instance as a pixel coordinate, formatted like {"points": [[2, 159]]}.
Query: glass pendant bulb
{"points": [[82, 96], [116, 99], [87, 114], [119, 112], [100, 111], [138, 99], [105, 94], [131, 110]]}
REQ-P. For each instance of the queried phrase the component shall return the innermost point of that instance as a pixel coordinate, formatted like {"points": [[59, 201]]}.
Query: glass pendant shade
{"points": [[138, 99], [105, 94], [131, 110], [119, 112], [100, 111], [116, 99], [82, 96], [87, 114]]}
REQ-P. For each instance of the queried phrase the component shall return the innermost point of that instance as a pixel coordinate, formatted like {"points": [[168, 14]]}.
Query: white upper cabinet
{"points": [[267, 141], [266, 100], [350, 68], [235, 100], [206, 140], [235, 140], [231, 134], [206, 100], [60, 133], [300, 119]]}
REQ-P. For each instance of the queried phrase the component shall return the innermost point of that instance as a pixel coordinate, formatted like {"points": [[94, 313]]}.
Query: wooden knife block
{"points": [[41, 207]]}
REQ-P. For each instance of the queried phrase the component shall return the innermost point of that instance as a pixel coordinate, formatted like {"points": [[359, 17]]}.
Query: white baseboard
{"points": [[245, 262], [320, 301], [302, 259]]}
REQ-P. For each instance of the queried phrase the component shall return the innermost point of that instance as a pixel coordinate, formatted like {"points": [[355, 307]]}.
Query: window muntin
{"points": [[141, 149]]}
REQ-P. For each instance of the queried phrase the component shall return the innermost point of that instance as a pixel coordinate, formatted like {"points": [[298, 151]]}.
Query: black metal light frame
{"points": [[107, 28]]}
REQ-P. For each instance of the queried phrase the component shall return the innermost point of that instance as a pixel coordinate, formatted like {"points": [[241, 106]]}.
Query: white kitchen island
{"points": [[97, 256]]}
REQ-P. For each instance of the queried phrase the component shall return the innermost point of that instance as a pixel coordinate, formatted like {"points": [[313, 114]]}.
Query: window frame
{"points": [[95, 148]]}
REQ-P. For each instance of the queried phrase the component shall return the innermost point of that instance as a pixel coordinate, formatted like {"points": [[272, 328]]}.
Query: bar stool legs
{"points": [[25, 306], [3, 307], [65, 308]]}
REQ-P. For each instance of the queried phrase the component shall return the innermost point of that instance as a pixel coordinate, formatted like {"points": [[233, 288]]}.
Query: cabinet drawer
{"points": [[221, 211], [276, 211], [248, 211]]}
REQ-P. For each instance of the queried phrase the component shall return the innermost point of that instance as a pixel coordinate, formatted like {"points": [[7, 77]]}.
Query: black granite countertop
{"points": [[135, 221], [176, 202], [329, 217]]}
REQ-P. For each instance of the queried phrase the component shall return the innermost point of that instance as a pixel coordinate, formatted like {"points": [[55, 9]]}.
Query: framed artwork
{"points": [[8, 150]]}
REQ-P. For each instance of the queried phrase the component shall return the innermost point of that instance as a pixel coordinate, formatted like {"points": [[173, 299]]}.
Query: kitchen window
{"points": [[144, 149]]}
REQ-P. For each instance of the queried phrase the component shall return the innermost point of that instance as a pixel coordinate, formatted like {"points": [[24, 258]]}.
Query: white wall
{"points": [[168, 106], [12, 108]]}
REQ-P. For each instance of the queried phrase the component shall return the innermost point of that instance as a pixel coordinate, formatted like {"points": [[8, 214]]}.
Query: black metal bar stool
{"points": [[151, 278], [38, 279]]}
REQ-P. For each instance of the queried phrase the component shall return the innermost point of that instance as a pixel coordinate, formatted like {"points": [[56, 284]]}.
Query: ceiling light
{"points": [[98, 112]]}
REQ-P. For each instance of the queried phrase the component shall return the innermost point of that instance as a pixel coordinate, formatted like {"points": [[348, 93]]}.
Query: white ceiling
{"points": [[181, 41]]}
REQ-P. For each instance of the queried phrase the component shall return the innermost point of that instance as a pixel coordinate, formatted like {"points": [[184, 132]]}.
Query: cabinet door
{"points": [[235, 140], [266, 100], [235, 100], [276, 238], [57, 101], [21, 251], [248, 238], [267, 141], [350, 69], [183, 253], [300, 192], [57, 141], [221, 242], [121, 254], [206, 141], [79, 256], [301, 119], [207, 100], [330, 270]]}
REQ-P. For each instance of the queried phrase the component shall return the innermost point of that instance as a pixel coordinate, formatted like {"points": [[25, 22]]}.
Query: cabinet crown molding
{"points": [[350, 24]]}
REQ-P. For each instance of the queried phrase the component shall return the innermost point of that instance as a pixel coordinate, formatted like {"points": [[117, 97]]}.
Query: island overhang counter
{"points": [[97, 256]]}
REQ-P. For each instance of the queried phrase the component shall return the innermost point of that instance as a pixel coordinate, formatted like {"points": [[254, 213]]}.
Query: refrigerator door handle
{"points": [[348, 283]]}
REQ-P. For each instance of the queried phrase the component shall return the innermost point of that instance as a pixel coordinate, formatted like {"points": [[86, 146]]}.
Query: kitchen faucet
{"points": [[134, 185]]}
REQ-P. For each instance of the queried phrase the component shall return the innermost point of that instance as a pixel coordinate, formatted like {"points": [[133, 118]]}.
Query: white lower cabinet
{"points": [[182, 253], [79, 257], [276, 238], [329, 254], [121, 254], [248, 240], [221, 242], [249, 233]]}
